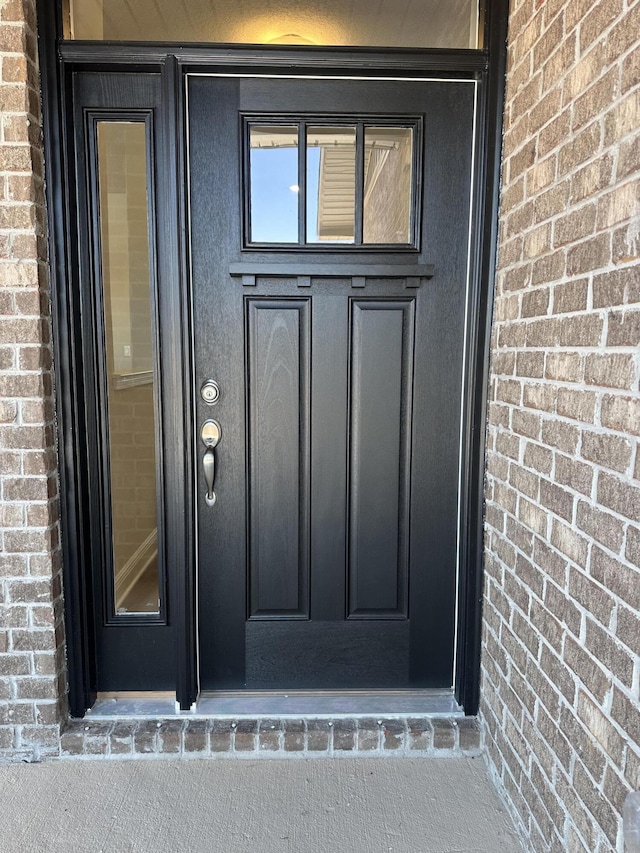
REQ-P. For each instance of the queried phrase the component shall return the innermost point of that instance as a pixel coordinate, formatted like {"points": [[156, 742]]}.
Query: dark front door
{"points": [[329, 226]]}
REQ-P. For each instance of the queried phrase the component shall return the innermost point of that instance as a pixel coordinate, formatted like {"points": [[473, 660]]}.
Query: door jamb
{"points": [[57, 62]]}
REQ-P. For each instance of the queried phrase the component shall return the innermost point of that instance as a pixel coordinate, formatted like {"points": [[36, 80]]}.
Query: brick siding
{"points": [[562, 595], [31, 632]]}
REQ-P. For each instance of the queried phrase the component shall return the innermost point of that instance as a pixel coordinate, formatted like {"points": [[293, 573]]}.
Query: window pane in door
{"points": [[386, 23], [388, 181], [129, 363], [331, 184], [273, 184]]}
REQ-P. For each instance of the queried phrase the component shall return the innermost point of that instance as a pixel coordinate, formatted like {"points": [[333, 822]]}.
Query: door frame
{"points": [[58, 62]]}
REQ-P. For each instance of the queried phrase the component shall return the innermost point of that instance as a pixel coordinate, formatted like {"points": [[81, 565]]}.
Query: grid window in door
{"points": [[334, 183]]}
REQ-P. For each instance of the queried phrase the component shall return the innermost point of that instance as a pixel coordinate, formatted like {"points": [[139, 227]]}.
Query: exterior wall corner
{"points": [[32, 663]]}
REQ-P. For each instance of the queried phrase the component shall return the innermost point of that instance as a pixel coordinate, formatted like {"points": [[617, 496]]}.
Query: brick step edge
{"points": [[273, 738]]}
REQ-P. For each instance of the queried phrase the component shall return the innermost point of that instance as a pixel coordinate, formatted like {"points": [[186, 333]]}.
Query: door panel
{"points": [[381, 359], [329, 557], [277, 380]]}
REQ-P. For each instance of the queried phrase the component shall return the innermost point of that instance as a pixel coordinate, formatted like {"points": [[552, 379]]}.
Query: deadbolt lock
{"points": [[210, 392]]}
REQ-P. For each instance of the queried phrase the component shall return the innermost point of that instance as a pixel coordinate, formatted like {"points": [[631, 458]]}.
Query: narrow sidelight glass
{"points": [[274, 186], [128, 322], [331, 184], [388, 184]]}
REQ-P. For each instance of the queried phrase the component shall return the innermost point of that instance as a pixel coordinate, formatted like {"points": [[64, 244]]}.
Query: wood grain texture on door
{"points": [[277, 333], [329, 560]]}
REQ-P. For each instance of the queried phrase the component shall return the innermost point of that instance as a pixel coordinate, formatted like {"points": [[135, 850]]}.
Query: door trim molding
{"points": [[58, 61], [100, 53]]}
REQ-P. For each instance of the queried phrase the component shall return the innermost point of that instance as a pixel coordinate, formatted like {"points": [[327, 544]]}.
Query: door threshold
{"points": [[293, 703], [328, 703]]}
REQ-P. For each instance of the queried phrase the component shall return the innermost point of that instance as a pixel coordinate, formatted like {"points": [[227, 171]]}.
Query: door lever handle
{"points": [[209, 467], [210, 435]]}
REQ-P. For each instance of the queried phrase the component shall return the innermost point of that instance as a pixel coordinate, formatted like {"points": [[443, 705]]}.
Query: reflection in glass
{"points": [[388, 153], [331, 184], [386, 23], [129, 359], [274, 184]]}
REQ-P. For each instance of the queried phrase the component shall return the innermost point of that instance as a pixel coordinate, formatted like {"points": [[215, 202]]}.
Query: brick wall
{"points": [[31, 633], [562, 630]]}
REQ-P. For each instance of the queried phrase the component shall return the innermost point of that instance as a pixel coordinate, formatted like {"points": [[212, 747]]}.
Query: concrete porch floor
{"points": [[277, 806]]}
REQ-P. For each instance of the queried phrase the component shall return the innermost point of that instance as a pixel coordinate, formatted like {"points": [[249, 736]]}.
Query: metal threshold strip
{"points": [[281, 704]]}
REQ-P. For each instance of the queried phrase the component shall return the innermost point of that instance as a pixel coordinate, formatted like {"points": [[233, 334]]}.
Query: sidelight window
{"points": [[126, 322], [315, 184]]}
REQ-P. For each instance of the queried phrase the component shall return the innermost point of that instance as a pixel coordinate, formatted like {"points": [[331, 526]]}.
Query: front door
{"points": [[329, 237]]}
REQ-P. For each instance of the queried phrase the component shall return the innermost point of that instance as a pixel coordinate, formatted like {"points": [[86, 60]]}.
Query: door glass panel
{"points": [[129, 361], [388, 181], [274, 186], [390, 23], [331, 184]]}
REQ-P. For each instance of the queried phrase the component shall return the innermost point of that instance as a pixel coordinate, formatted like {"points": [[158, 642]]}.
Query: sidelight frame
{"points": [[59, 60]]}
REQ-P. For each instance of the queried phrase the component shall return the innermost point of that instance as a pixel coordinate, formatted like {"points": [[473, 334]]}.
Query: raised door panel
{"points": [[278, 448], [381, 359]]}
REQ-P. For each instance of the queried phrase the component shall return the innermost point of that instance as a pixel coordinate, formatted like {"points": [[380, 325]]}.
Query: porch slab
{"points": [[425, 806]]}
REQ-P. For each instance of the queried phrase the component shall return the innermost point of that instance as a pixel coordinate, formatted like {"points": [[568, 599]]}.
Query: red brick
{"points": [[596, 22], [575, 225], [596, 98], [535, 303], [622, 118], [560, 435], [611, 370], [619, 496], [590, 255], [564, 366], [571, 296], [552, 202], [539, 458], [604, 528], [580, 148], [623, 329], [576, 475], [591, 178], [579, 405], [633, 545], [628, 157], [610, 451], [619, 205], [541, 333], [621, 414], [530, 365], [570, 543]]}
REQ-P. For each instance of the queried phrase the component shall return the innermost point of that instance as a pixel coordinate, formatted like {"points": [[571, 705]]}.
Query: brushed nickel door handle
{"points": [[210, 434], [209, 467]]}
